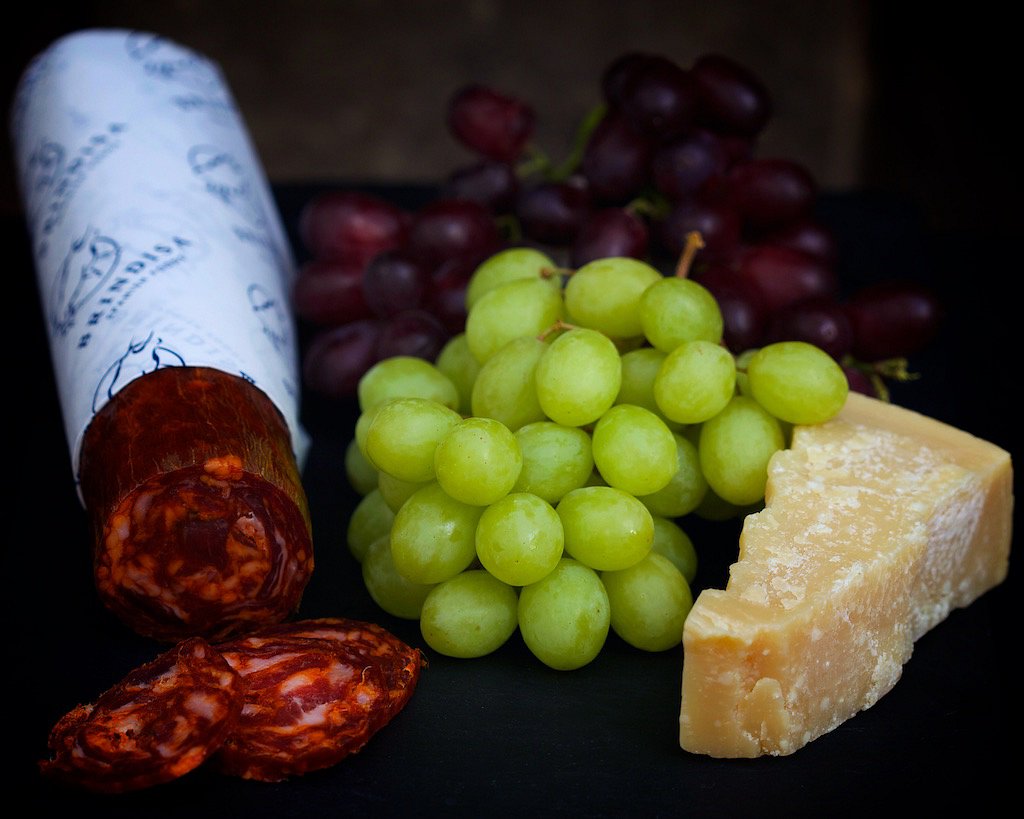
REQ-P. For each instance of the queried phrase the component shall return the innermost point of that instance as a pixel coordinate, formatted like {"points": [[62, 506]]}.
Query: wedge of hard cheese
{"points": [[876, 525]]}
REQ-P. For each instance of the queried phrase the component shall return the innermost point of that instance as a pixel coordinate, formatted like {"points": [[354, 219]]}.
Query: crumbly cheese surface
{"points": [[875, 526]]}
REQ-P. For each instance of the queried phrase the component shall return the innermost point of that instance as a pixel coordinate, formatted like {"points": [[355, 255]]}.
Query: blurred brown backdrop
{"points": [[867, 94]]}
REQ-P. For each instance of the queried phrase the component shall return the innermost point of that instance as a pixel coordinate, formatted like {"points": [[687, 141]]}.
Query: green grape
{"points": [[604, 295], [361, 474], [634, 450], [649, 603], [433, 536], [395, 491], [478, 461], [797, 382], [370, 520], [526, 307], [675, 309], [507, 266], [687, 487], [519, 539], [363, 424], [504, 389], [695, 382], [578, 377], [564, 617], [742, 362], [556, 459], [405, 377], [403, 435], [639, 369], [605, 528], [735, 447], [458, 364], [672, 542], [470, 615], [389, 590]]}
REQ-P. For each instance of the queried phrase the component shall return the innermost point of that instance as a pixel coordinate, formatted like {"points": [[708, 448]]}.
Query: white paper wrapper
{"points": [[156, 240]]}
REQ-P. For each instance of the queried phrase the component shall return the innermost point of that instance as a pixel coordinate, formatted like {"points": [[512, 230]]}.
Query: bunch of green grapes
{"points": [[533, 476]]}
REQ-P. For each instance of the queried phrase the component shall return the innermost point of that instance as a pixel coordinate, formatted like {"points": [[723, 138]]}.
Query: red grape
{"points": [[680, 168], [892, 319], [730, 97], [492, 184], [329, 292], [818, 321], [609, 232], [553, 212], [337, 358], [860, 382], [394, 281], [414, 333], [447, 297], [351, 226], [615, 161], [743, 309], [658, 99], [785, 276], [771, 193], [807, 236], [718, 225], [618, 74], [490, 123], [450, 228]]}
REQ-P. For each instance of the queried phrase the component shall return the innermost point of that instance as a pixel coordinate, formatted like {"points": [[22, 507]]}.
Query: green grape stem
{"points": [[590, 121], [694, 242], [557, 327], [893, 369]]}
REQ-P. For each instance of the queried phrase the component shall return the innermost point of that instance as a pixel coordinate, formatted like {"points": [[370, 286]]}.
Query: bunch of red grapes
{"points": [[669, 153]]}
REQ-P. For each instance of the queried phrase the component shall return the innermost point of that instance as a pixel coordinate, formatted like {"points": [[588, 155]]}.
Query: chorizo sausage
{"points": [[161, 721], [201, 524]]}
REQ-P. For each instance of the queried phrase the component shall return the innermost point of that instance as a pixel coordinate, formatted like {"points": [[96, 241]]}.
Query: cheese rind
{"points": [[876, 525]]}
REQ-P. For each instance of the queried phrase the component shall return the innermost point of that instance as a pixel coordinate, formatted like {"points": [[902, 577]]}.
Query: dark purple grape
{"points": [[744, 313], [818, 321], [860, 381], [615, 161], [453, 228], [680, 168], [618, 73], [658, 99], [893, 319], [447, 298], [771, 193], [730, 97], [718, 225], [415, 333], [491, 184], [351, 226], [329, 292], [490, 123], [610, 232], [394, 281], [785, 276], [338, 358], [553, 212], [810, 237]]}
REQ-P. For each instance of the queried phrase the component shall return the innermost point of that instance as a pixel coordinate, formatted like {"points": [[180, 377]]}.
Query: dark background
{"points": [[912, 98], [906, 116]]}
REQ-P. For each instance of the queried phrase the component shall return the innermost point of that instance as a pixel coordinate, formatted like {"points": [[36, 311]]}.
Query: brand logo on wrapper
{"points": [[86, 268], [92, 273], [168, 61], [271, 316], [228, 181], [55, 173], [140, 358]]}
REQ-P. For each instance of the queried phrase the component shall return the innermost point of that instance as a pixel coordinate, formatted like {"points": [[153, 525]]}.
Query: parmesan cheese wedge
{"points": [[876, 525]]}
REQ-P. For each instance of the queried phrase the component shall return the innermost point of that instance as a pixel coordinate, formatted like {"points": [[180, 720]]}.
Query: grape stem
{"points": [[694, 242], [558, 326], [559, 173], [894, 369]]}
